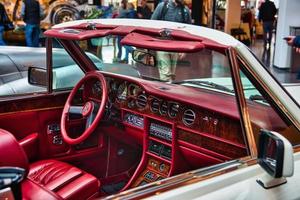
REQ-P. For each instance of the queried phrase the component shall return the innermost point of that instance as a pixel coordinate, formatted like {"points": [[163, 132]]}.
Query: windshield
{"points": [[203, 69]]}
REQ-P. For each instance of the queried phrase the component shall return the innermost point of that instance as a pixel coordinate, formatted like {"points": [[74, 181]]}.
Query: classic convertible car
{"points": [[178, 126]]}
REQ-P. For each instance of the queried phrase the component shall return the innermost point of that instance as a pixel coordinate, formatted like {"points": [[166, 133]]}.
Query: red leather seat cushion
{"points": [[31, 190], [65, 180]]}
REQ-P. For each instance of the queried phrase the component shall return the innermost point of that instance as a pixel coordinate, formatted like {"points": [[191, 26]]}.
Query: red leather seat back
{"points": [[11, 153]]}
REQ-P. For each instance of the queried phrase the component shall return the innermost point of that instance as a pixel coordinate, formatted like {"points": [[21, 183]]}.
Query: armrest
{"points": [[30, 145]]}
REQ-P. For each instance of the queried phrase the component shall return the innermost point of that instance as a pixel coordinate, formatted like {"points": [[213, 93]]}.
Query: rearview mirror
{"points": [[275, 156], [144, 58], [37, 76]]}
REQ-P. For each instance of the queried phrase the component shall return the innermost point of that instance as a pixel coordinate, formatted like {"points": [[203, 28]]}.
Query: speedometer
{"points": [[133, 89]]}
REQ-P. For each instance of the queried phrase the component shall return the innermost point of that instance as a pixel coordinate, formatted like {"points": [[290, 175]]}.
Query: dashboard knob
{"points": [[162, 167]]}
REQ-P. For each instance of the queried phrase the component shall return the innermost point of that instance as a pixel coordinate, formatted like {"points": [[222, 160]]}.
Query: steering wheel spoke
{"points": [[75, 110], [91, 117]]}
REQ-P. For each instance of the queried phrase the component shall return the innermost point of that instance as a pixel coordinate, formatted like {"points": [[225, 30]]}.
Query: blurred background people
{"points": [[248, 17], [143, 10], [32, 12], [2, 21], [267, 12], [294, 41], [123, 13], [175, 11], [132, 15], [172, 10]]}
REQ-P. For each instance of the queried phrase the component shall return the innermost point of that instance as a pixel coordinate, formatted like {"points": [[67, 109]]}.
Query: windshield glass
{"points": [[203, 69]]}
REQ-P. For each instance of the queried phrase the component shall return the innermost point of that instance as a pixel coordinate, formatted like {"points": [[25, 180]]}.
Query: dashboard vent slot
{"points": [[189, 117], [141, 101], [155, 105], [173, 110], [163, 109]]}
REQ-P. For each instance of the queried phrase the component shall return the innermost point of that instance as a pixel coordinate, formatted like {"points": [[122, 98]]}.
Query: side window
{"points": [[13, 81], [263, 114], [66, 73]]}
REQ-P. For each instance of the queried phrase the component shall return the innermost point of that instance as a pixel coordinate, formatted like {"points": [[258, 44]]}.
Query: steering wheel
{"points": [[92, 110]]}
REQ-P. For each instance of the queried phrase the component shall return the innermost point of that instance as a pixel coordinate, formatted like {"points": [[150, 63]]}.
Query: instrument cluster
{"points": [[121, 91]]}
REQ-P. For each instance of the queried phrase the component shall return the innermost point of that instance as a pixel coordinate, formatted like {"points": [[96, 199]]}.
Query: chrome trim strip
{"points": [[270, 93], [178, 180], [241, 100]]}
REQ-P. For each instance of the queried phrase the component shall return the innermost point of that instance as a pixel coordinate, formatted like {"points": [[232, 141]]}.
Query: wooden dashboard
{"points": [[175, 133]]}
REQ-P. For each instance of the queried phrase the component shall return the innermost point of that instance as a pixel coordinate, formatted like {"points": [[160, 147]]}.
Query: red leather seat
{"points": [[47, 179]]}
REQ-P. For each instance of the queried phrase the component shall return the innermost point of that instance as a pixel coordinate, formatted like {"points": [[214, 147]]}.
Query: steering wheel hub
{"points": [[87, 109]]}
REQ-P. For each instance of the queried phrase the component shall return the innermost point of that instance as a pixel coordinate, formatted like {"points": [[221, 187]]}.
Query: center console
{"points": [[158, 152], [155, 170]]}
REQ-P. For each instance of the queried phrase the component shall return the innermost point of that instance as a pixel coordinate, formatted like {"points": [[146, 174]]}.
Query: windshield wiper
{"points": [[205, 84]]}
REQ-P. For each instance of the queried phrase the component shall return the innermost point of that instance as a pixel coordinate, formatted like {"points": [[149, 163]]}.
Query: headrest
{"points": [[11, 153]]}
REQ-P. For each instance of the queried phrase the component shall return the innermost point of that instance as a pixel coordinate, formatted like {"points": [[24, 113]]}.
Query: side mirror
{"points": [[144, 58], [276, 157], [37, 76]]}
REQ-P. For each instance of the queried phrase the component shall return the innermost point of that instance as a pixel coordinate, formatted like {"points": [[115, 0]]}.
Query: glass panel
{"points": [[264, 116], [66, 73], [204, 69]]}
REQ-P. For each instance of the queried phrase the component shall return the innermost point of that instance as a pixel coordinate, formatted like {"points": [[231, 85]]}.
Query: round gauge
{"points": [[133, 89], [122, 91]]}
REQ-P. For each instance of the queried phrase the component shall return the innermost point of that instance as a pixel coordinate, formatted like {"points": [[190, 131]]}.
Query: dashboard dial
{"points": [[133, 90]]}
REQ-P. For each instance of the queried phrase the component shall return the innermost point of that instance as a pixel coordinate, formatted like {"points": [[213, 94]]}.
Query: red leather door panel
{"points": [[30, 129], [28, 119]]}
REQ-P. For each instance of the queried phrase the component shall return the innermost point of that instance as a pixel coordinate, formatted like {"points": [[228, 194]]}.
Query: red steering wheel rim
{"points": [[92, 127]]}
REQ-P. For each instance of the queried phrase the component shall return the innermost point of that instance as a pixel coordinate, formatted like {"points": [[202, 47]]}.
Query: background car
{"points": [[55, 12], [15, 61]]}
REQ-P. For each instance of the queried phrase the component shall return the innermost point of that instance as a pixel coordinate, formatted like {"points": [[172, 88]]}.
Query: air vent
{"points": [[173, 110], [155, 105], [163, 109], [141, 101], [189, 117]]}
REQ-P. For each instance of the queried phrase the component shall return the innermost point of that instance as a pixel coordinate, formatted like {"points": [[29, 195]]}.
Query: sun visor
{"points": [[156, 43], [76, 34]]}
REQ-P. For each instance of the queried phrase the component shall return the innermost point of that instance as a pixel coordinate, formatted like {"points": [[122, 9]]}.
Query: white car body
{"points": [[234, 179], [241, 183]]}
